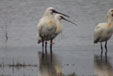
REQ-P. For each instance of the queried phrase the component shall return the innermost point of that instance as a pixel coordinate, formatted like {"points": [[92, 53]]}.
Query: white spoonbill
{"points": [[58, 18], [47, 26], [104, 31]]}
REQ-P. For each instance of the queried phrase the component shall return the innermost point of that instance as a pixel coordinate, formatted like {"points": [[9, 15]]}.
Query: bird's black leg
{"points": [[51, 46], [106, 51], [101, 50], [51, 42], [42, 46], [45, 47]]}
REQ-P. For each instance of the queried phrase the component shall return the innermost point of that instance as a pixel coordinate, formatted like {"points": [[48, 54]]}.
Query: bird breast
{"points": [[50, 23], [47, 26], [59, 28], [103, 32]]}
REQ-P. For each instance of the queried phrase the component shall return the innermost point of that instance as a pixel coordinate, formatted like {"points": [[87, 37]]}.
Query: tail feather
{"points": [[39, 40], [96, 41]]}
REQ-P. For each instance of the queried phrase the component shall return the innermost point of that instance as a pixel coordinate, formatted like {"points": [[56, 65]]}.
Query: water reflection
{"points": [[17, 67], [101, 67], [49, 65]]}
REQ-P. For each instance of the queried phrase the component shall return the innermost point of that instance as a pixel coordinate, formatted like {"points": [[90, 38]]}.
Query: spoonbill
{"points": [[58, 18], [47, 26], [103, 31]]}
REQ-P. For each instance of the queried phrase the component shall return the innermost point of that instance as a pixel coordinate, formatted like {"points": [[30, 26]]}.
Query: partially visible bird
{"points": [[47, 26], [58, 18], [104, 31]]}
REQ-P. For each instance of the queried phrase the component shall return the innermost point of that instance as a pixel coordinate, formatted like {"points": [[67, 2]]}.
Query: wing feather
{"points": [[97, 33]]}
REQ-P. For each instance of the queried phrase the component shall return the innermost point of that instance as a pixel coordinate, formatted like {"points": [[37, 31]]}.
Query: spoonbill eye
{"points": [[52, 10]]}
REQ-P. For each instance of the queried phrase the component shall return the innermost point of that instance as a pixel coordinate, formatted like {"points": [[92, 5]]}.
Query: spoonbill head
{"points": [[109, 15], [51, 10], [58, 18], [110, 12]]}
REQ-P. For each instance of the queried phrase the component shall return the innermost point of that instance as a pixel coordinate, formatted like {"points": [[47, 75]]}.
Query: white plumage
{"points": [[58, 18], [103, 31], [46, 25]]}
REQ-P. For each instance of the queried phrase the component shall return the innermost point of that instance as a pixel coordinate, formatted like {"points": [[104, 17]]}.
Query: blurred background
{"points": [[74, 51]]}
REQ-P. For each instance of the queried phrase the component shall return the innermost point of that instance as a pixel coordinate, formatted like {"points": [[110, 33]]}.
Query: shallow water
{"points": [[73, 54]]}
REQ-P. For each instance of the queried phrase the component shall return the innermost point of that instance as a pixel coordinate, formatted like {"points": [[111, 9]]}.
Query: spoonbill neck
{"points": [[59, 26], [110, 22], [58, 21], [110, 19]]}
